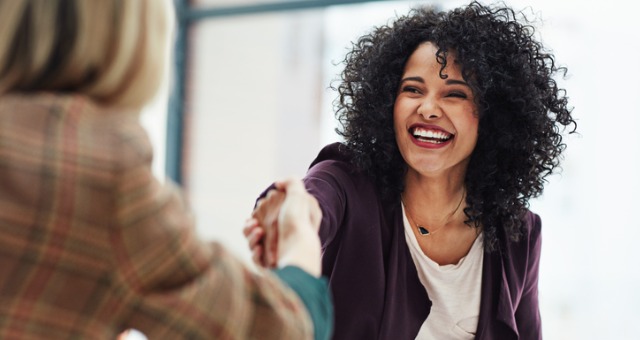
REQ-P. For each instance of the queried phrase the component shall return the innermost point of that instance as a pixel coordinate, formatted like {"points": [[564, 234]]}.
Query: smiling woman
{"points": [[435, 116], [451, 123]]}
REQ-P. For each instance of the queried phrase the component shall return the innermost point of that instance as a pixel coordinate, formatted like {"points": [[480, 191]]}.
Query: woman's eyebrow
{"points": [[418, 79], [448, 81], [456, 82]]}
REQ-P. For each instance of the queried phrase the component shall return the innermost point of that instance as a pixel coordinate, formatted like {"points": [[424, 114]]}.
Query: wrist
{"points": [[303, 251]]}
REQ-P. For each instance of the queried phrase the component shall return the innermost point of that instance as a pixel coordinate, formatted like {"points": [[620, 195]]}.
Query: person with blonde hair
{"points": [[91, 244]]}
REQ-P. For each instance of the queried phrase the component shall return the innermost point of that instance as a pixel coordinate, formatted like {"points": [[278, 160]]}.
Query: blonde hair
{"points": [[110, 50]]}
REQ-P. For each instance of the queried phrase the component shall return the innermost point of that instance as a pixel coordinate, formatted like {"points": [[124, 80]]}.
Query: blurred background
{"points": [[248, 100]]}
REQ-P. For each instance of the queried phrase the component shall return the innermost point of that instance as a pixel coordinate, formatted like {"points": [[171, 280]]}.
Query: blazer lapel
{"points": [[497, 314]]}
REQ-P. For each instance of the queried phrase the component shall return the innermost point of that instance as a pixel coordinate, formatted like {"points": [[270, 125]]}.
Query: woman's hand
{"points": [[254, 233], [283, 228], [261, 230]]}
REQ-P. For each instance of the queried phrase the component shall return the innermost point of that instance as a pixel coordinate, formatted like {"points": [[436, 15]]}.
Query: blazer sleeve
{"points": [[527, 314], [328, 183], [313, 293], [173, 286]]}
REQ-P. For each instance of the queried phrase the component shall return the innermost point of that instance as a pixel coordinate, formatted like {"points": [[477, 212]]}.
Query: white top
{"points": [[454, 290]]}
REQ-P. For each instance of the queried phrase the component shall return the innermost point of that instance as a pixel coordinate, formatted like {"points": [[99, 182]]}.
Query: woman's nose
{"points": [[430, 109]]}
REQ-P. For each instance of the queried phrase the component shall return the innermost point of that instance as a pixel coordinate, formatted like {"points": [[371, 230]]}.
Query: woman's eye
{"points": [[410, 89], [457, 95]]}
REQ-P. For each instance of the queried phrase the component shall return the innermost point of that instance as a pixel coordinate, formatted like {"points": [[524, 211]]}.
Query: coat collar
{"points": [[497, 312]]}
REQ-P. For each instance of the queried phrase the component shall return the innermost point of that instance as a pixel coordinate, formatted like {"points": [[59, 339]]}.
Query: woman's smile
{"points": [[430, 136]]}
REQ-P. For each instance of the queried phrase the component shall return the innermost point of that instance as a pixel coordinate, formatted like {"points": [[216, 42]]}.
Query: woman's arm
{"points": [[325, 182], [172, 285], [290, 218]]}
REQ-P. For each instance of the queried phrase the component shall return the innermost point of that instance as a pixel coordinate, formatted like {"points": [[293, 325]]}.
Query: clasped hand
{"points": [[283, 228]]}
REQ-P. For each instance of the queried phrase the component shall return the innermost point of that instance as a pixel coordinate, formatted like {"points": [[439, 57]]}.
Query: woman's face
{"points": [[435, 119]]}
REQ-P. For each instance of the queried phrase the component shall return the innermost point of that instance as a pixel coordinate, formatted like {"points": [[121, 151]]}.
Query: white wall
{"points": [[253, 108]]}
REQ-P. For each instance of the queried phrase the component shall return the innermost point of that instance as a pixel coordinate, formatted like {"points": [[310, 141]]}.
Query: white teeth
{"points": [[419, 132]]}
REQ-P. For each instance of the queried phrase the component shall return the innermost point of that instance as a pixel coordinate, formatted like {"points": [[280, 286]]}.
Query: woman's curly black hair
{"points": [[522, 111]]}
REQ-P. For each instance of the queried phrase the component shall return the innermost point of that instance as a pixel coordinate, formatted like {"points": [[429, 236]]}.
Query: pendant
{"points": [[423, 230]]}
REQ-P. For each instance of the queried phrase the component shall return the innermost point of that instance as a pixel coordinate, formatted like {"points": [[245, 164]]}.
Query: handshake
{"points": [[283, 228]]}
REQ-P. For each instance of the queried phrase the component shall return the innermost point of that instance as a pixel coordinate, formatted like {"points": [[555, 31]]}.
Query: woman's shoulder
{"points": [[532, 224], [75, 125], [334, 158], [529, 241], [333, 163], [337, 152], [76, 110]]}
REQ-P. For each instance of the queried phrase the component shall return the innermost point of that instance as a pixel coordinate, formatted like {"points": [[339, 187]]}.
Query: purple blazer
{"points": [[375, 285]]}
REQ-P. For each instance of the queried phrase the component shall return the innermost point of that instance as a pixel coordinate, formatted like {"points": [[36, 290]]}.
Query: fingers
{"points": [[284, 216], [291, 185], [266, 216], [300, 202], [254, 234], [249, 225], [257, 255], [267, 207], [255, 238], [271, 246], [298, 223]]}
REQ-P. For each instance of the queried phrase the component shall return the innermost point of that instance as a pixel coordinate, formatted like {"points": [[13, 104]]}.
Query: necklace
{"points": [[422, 229]]}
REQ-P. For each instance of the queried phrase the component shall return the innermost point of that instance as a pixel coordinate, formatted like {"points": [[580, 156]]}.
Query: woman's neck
{"points": [[434, 198]]}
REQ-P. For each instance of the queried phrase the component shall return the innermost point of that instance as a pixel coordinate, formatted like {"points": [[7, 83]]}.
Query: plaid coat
{"points": [[91, 243]]}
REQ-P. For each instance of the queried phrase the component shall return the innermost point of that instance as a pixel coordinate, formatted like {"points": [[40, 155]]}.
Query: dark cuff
{"points": [[314, 293]]}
